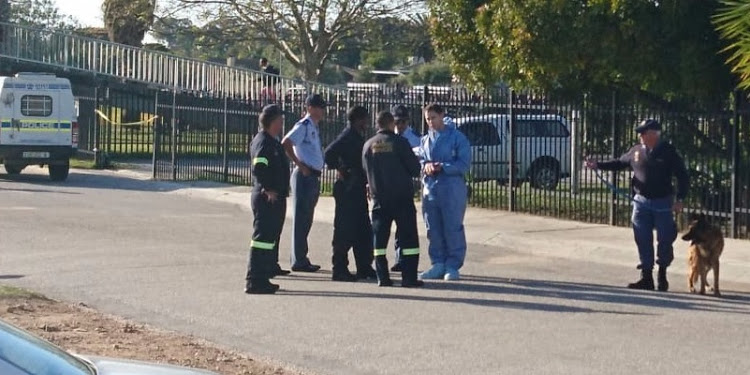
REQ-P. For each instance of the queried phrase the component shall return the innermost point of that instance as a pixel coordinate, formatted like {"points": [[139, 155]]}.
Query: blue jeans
{"points": [[650, 214], [305, 193], [443, 212]]}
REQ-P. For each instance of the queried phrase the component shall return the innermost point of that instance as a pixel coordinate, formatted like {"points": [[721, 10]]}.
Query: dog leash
{"points": [[627, 196]]}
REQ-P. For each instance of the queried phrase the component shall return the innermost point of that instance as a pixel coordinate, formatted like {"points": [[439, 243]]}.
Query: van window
{"points": [[540, 128], [480, 133], [36, 105]]}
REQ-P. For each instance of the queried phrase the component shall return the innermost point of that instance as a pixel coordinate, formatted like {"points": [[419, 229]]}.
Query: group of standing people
{"points": [[382, 169]]}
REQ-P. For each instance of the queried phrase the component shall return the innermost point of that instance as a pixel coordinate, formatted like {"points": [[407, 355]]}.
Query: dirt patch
{"points": [[83, 330]]}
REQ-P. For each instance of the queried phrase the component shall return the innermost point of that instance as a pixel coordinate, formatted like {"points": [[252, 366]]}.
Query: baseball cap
{"points": [[400, 112], [648, 124], [315, 100]]}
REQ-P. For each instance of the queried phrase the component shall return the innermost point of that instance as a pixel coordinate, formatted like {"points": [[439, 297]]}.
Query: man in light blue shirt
{"points": [[445, 154], [302, 145], [401, 115]]}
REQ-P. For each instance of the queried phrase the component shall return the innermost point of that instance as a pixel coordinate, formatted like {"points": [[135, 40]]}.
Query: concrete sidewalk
{"points": [[534, 235]]}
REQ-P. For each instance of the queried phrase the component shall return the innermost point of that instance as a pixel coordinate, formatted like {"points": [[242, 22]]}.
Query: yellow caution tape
{"points": [[143, 122]]}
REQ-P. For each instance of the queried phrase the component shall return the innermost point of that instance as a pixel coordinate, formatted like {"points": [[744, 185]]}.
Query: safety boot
{"points": [[645, 283], [381, 269], [409, 265], [662, 278], [257, 286]]}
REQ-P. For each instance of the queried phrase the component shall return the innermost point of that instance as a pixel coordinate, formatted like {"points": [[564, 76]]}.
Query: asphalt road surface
{"points": [[144, 251]]}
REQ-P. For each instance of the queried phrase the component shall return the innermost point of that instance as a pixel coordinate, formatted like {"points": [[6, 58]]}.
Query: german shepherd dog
{"points": [[706, 245]]}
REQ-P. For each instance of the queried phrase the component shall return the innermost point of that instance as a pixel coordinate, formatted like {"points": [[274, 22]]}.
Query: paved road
{"points": [[150, 252]]}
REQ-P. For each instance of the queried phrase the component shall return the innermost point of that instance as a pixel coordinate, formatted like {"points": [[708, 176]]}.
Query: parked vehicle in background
{"points": [[22, 353], [542, 148], [38, 123]]}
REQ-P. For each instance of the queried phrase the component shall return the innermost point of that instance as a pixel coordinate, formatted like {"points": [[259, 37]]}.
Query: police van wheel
{"points": [[545, 174], [13, 169], [59, 172]]}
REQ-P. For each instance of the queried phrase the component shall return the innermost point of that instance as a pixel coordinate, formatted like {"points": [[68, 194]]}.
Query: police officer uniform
{"points": [[391, 165], [270, 172], [305, 138], [653, 200]]}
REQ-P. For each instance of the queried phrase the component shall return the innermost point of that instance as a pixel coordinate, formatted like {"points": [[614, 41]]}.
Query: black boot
{"points": [[645, 283], [409, 265], [343, 275], [340, 260], [257, 286], [381, 268], [663, 283]]}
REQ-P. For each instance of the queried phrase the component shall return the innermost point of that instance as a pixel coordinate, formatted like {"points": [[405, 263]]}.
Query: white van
{"points": [[38, 123], [542, 148]]}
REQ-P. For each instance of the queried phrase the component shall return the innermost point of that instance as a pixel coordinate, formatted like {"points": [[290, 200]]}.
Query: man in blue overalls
{"points": [[302, 146], [654, 163], [445, 154]]}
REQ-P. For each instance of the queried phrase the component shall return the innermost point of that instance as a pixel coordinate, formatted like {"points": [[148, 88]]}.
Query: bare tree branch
{"points": [[306, 32]]}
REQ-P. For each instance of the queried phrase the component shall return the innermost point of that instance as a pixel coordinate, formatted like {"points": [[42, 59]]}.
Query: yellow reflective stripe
{"points": [[262, 245], [413, 251], [260, 160], [379, 252]]}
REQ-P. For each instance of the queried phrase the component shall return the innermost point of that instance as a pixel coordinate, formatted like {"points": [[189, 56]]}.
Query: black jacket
{"points": [[390, 165], [270, 165], [653, 171], [345, 154]]}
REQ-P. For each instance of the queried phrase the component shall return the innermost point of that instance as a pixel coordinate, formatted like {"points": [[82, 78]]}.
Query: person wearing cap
{"points": [[445, 154], [351, 224], [403, 128], [654, 162], [302, 145], [391, 165], [270, 175]]}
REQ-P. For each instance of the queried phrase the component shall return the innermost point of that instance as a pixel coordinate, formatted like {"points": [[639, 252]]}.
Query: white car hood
{"points": [[111, 366]]}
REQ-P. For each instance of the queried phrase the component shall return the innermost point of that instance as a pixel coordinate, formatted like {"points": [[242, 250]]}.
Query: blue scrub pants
{"points": [[443, 212], [650, 214]]}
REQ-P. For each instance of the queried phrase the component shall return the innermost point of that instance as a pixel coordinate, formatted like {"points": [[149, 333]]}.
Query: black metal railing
{"points": [[203, 137]]}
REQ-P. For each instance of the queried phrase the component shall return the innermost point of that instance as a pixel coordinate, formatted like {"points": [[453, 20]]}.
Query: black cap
{"points": [[400, 112], [646, 125], [315, 100]]}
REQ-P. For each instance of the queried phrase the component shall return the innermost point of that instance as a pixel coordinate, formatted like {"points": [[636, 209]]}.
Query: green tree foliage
{"points": [[127, 21], [388, 42], [306, 32], [733, 23], [667, 49], [39, 13]]}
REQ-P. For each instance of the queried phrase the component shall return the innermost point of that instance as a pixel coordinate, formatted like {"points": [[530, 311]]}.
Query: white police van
{"points": [[38, 123]]}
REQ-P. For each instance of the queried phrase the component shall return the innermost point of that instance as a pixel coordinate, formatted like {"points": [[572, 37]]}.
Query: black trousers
{"points": [[268, 221], [351, 226], [404, 213]]}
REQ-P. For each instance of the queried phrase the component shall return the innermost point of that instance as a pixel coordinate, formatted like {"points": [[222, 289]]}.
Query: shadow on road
{"points": [[496, 303], [37, 190], [731, 303], [493, 289], [11, 277]]}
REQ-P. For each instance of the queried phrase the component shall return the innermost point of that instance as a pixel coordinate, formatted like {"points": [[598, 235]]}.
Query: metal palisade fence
{"points": [[204, 137]]}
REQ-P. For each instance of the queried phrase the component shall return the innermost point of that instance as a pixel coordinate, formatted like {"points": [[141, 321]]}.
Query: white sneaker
{"points": [[435, 273], [451, 275]]}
